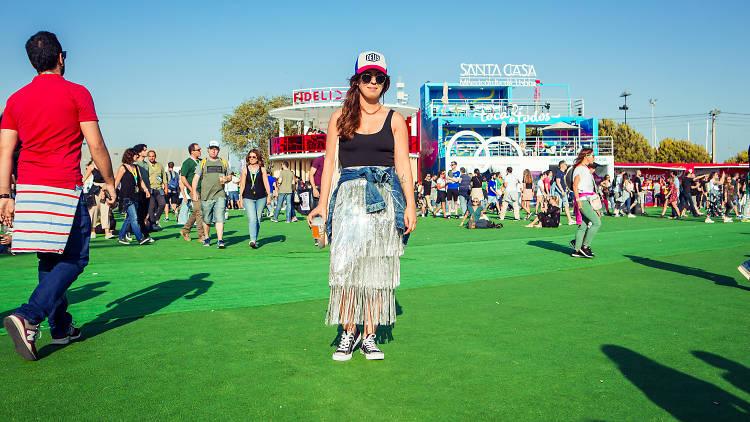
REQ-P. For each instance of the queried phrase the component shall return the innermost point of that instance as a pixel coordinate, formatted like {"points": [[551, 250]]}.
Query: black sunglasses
{"points": [[64, 54], [367, 77]]}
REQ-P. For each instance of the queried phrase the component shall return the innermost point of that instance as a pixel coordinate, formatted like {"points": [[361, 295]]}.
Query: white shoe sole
{"points": [[744, 271], [373, 356], [343, 357], [17, 332], [66, 340]]}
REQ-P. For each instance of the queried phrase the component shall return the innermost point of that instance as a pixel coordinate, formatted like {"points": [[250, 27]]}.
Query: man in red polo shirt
{"points": [[51, 117]]}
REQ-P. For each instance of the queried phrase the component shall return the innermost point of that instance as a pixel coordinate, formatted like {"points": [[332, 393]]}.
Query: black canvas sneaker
{"points": [[347, 345], [578, 254], [587, 251], [72, 334], [370, 349]]}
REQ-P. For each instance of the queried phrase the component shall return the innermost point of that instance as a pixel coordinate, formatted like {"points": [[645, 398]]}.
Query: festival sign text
{"points": [[488, 74], [316, 95], [516, 115]]}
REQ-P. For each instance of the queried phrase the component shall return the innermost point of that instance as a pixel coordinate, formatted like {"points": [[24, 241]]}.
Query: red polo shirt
{"points": [[47, 115]]}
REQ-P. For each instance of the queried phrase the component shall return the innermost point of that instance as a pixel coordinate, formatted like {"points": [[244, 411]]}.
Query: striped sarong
{"points": [[43, 218]]}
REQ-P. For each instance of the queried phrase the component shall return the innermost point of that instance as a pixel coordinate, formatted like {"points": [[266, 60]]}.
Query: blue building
{"points": [[492, 120]]}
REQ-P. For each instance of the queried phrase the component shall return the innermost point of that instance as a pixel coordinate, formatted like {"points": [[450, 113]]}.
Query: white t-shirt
{"points": [[511, 183], [441, 184], [540, 186], [585, 180], [232, 185]]}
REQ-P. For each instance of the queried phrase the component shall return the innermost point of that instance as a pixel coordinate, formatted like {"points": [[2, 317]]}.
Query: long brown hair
{"points": [[581, 155], [351, 115], [527, 176], [257, 154]]}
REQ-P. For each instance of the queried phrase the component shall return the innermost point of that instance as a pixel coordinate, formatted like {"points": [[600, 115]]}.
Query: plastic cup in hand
{"points": [[319, 231]]}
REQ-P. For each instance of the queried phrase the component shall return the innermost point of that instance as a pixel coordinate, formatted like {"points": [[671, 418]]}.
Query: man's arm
{"points": [[163, 179], [311, 178], [100, 155], [194, 185], [8, 141]]}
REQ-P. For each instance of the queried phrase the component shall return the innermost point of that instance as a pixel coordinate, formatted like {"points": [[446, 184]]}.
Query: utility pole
{"points": [[653, 101], [625, 94], [688, 131], [713, 114]]}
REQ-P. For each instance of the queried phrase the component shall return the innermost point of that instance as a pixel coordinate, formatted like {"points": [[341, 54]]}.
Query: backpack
{"points": [[174, 183], [223, 165], [569, 177]]}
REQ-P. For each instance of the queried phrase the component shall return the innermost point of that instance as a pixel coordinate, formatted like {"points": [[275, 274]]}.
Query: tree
{"points": [[741, 157], [629, 145], [250, 126], [681, 151]]}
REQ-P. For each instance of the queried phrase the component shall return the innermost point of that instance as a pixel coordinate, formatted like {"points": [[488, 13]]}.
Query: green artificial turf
{"points": [[493, 325]]}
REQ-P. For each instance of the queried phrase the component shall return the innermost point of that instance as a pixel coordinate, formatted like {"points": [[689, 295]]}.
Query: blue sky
{"points": [[164, 73]]}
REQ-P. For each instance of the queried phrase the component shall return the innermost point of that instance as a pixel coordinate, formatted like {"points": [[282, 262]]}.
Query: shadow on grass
{"points": [[685, 397], [229, 241], [141, 303], [552, 246], [383, 333], [719, 279], [737, 374], [75, 294]]}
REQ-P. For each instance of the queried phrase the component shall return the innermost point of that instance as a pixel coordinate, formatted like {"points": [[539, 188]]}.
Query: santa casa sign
{"points": [[318, 95]]}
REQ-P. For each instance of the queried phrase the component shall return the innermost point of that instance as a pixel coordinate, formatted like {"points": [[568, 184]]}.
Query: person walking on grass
{"points": [[441, 187], [511, 195], [208, 182], [584, 190], [285, 183], [158, 181], [492, 193], [714, 208], [454, 183], [51, 117], [144, 196], [173, 192], [527, 192], [100, 208], [427, 194], [370, 211], [672, 196], [255, 192], [131, 184], [187, 172]]}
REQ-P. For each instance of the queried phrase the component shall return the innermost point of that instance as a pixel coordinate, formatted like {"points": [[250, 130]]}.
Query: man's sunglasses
{"points": [[367, 77], [64, 54]]}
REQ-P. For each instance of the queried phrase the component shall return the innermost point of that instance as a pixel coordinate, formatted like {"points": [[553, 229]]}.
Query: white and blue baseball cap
{"points": [[370, 60]]}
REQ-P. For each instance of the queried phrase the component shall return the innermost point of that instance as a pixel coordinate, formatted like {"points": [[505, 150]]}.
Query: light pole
{"points": [[713, 114], [653, 101], [625, 94]]}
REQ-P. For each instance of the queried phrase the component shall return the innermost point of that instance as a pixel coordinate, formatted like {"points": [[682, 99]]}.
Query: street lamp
{"points": [[653, 101], [625, 94]]}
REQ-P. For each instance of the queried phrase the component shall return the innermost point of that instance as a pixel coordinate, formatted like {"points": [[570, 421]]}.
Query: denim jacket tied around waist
{"points": [[374, 202]]}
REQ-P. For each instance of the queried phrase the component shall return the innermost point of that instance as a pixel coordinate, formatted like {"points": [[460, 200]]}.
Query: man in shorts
{"points": [[560, 190], [210, 176], [454, 182]]}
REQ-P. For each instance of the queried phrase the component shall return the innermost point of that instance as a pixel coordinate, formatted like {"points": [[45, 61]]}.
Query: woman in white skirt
{"points": [[368, 207]]}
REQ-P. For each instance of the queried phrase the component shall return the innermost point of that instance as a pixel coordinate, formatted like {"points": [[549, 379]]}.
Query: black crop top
{"points": [[375, 149]]}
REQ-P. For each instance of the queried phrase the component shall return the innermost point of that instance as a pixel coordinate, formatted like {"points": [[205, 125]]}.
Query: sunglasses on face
{"points": [[252, 156], [64, 54], [367, 77]]}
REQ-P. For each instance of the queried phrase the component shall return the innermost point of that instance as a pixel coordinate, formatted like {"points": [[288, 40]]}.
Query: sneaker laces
{"points": [[346, 338], [369, 343]]}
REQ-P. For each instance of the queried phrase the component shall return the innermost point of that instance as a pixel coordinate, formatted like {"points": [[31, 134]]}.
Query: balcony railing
{"points": [[299, 144], [538, 146], [467, 108]]}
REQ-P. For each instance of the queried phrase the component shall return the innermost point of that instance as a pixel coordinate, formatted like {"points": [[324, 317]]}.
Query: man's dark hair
{"points": [[43, 49], [170, 164], [509, 170], [139, 147], [462, 169], [192, 146]]}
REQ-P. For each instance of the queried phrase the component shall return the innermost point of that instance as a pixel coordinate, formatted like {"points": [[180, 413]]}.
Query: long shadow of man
{"points": [[737, 374], [719, 279], [685, 397], [146, 301]]}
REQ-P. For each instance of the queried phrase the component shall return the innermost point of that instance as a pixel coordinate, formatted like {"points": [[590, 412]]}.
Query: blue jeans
{"points": [[284, 198], [130, 224], [56, 273], [254, 210]]}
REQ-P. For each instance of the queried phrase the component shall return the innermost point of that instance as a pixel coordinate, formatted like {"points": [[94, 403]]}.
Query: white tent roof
{"points": [[560, 126]]}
